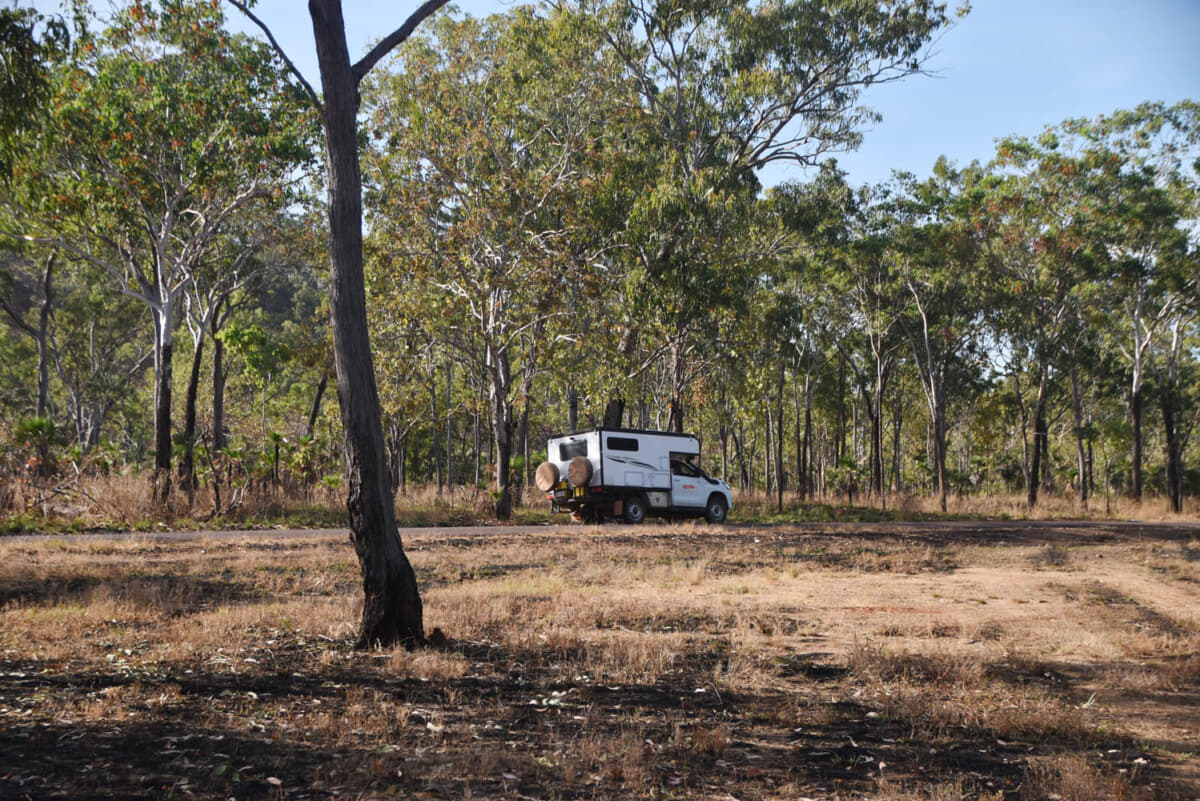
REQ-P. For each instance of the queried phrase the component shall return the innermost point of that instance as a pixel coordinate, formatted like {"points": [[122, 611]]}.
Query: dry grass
{"points": [[121, 501], [666, 661], [1010, 506]]}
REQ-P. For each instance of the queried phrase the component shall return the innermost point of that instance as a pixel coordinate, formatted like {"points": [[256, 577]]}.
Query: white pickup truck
{"points": [[606, 473]]}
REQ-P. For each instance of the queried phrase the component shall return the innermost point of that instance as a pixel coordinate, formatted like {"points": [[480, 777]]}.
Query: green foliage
{"points": [[564, 203], [263, 354], [30, 45]]}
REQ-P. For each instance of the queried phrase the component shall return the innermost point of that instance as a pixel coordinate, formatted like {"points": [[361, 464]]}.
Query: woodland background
{"points": [[565, 206]]}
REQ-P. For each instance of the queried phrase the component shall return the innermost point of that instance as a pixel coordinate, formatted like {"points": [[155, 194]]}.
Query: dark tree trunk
{"points": [[40, 335], [395, 449], [392, 610], [521, 448], [162, 417], [769, 450], [939, 451], [875, 415], [809, 488], [503, 430], [1135, 414], [187, 460], [740, 455], [1174, 450], [675, 414], [614, 413], [449, 425], [840, 445], [502, 417], [218, 390], [1040, 433], [1080, 436], [798, 434], [315, 412], [675, 403], [436, 435], [572, 409], [779, 481], [43, 337]]}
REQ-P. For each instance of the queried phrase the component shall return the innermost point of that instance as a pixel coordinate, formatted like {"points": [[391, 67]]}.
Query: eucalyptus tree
{"points": [[727, 88], [937, 255], [862, 271], [1040, 248], [1094, 232], [486, 134], [1140, 170], [31, 45], [165, 129], [824, 218]]}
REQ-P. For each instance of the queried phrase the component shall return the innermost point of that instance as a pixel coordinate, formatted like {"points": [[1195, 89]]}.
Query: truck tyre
{"points": [[579, 471], [716, 510], [546, 476], [635, 509]]}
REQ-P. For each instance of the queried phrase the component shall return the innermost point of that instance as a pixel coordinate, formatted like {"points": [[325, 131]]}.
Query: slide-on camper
{"points": [[628, 474]]}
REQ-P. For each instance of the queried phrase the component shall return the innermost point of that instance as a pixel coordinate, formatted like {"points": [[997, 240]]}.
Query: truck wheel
{"points": [[635, 509], [716, 510]]}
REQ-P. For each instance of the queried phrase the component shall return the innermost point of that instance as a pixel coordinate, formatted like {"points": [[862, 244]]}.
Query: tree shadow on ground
{"points": [[518, 723]]}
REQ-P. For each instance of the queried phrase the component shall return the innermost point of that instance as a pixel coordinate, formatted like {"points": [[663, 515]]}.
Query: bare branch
{"points": [[242, 6], [397, 36]]}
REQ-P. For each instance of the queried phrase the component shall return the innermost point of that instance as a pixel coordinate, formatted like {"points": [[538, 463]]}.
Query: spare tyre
{"points": [[546, 476], [579, 471]]}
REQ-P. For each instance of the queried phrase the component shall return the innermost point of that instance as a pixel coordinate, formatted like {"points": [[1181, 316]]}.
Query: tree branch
{"points": [[241, 6], [397, 36]]}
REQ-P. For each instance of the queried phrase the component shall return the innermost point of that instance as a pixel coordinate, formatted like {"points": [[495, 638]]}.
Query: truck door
{"points": [[689, 490]]}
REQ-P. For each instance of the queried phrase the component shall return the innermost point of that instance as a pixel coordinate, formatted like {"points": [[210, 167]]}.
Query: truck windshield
{"points": [[569, 450]]}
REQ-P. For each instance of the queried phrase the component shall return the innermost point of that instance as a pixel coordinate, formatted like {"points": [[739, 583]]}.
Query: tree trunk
{"points": [[500, 381], [614, 413], [1023, 412], [897, 455], [779, 482], [1135, 414], [436, 435], [1040, 433], [218, 389], [521, 448], [449, 425], [187, 460], [477, 444], [939, 447], [675, 403], [572, 409], [1174, 450], [162, 408], [503, 430], [768, 451], [807, 446], [392, 610], [43, 337], [740, 455], [315, 411], [1080, 439]]}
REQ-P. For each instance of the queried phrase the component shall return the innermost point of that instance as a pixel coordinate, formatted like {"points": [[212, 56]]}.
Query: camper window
{"points": [[569, 450]]}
